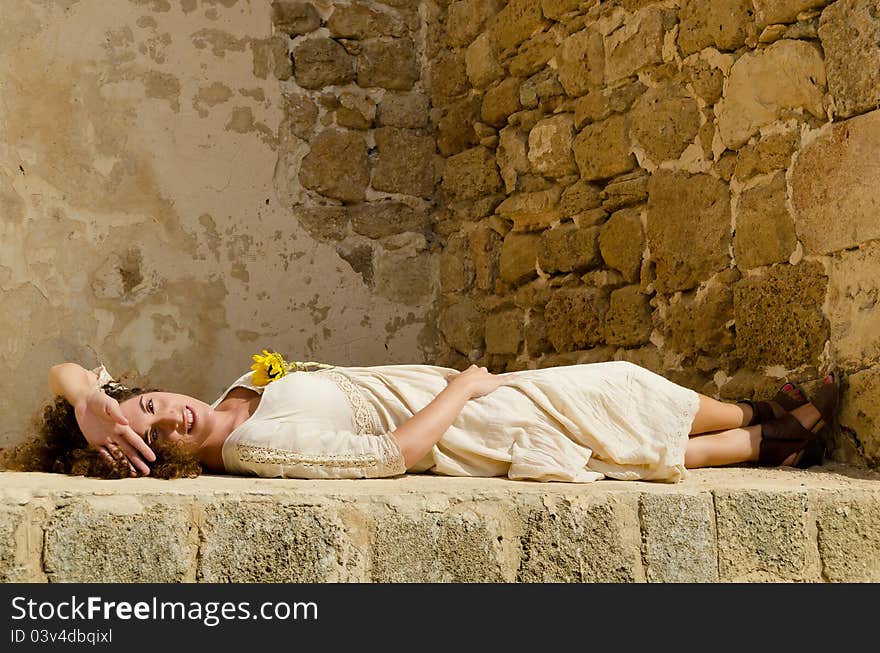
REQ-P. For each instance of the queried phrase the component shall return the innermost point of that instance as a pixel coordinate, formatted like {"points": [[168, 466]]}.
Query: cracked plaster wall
{"points": [[143, 222]]}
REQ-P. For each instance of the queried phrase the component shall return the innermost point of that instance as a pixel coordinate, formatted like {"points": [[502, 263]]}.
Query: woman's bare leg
{"points": [[738, 445], [729, 447], [715, 415]]}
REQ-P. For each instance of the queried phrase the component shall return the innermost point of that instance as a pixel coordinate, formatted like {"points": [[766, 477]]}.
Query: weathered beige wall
{"points": [[691, 185], [147, 204]]}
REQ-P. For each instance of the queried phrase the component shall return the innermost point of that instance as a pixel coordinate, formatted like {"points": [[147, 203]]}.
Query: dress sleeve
{"points": [[287, 452], [103, 375]]}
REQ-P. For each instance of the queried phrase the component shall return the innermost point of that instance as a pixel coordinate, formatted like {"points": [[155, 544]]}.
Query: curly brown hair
{"points": [[61, 447]]}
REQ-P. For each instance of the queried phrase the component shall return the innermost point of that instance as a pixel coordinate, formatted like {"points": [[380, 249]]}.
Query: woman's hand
{"points": [[106, 428], [478, 380]]}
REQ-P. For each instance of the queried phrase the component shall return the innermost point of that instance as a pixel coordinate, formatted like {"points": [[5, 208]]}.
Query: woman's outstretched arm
{"points": [[99, 417], [424, 429]]}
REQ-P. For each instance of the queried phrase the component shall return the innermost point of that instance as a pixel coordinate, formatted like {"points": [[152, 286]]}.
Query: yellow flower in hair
{"points": [[268, 367]]}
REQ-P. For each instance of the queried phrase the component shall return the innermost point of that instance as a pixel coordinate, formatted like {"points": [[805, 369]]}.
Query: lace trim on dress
{"points": [[364, 418], [270, 456], [681, 433], [376, 465], [395, 463]]}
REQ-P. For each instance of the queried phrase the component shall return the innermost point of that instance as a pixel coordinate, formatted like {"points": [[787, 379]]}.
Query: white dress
{"points": [[576, 423]]}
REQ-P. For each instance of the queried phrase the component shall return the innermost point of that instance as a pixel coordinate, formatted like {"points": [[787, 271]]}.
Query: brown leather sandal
{"points": [[783, 436], [764, 411]]}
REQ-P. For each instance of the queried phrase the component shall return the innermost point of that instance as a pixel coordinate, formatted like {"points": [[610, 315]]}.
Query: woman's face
{"points": [[168, 416]]}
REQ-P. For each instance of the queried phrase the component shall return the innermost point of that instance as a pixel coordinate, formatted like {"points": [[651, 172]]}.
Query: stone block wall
{"points": [[690, 186], [357, 161], [722, 525]]}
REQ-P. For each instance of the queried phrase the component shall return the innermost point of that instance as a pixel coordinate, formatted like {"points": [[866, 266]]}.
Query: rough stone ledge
{"points": [[719, 525]]}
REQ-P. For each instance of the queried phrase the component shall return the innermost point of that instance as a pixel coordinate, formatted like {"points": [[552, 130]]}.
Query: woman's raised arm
{"points": [[72, 382], [99, 416]]}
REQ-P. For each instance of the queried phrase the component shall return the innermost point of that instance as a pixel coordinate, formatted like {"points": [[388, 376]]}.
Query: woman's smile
{"points": [[189, 417]]}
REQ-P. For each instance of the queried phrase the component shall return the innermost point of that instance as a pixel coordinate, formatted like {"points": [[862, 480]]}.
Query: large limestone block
{"points": [[849, 537], [853, 313], [295, 18], [576, 318], [764, 229], [17, 545], [325, 223], [581, 62], [405, 163], [405, 276], [550, 144], [362, 21], [481, 62], [598, 105], [725, 24], [688, 229], [555, 9], [636, 44], [540, 87], [665, 120], [461, 323], [501, 101], [603, 149], [381, 219], [456, 266], [779, 318], [320, 62], [679, 540], [772, 152], [531, 211], [567, 247], [702, 323], [391, 64], [458, 545], [449, 78], [504, 332], [589, 539], [834, 188], [272, 542], [764, 85], [337, 165], [409, 110], [466, 19], [762, 536], [579, 197], [625, 190], [628, 321], [622, 242], [706, 78], [471, 174], [860, 411], [519, 255], [533, 54], [485, 249], [456, 128], [516, 22], [355, 111], [537, 342], [769, 12], [850, 33], [119, 540]]}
